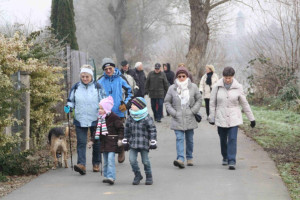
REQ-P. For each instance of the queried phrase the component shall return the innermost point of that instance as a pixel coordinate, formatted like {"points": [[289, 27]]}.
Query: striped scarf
{"points": [[138, 115], [101, 127]]}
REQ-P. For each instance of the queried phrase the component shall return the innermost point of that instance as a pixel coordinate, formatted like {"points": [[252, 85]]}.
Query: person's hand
{"points": [[90, 144], [122, 107], [135, 91], [201, 92], [252, 124], [125, 144], [120, 143], [212, 123], [68, 109], [153, 144]]}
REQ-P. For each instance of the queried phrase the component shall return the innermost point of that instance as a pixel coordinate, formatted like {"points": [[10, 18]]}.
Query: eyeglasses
{"points": [[183, 76], [108, 69]]}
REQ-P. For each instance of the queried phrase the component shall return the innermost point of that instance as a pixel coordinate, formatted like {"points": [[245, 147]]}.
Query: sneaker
{"points": [[231, 167], [178, 163], [110, 181], [224, 162], [159, 120], [190, 163], [105, 180], [80, 168], [96, 168]]}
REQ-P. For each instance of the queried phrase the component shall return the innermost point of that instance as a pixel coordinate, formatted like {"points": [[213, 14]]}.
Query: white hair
{"points": [[138, 64]]}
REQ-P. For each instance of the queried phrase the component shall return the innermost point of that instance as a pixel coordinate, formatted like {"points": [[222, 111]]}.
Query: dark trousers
{"points": [[207, 106], [157, 112], [81, 133], [228, 140]]}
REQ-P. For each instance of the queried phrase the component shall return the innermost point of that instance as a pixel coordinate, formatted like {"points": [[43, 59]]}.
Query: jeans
{"points": [[189, 134], [207, 106], [157, 112], [228, 139], [145, 160], [81, 134], [109, 167]]}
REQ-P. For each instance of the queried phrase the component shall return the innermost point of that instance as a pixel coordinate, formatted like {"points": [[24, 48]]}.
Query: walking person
{"points": [[110, 130], [157, 86], [183, 101], [141, 79], [131, 77], [140, 136], [226, 98], [114, 85], [170, 76], [206, 83], [84, 97]]}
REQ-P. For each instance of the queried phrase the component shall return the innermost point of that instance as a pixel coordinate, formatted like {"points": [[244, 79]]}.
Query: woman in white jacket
{"points": [[226, 98], [206, 83]]}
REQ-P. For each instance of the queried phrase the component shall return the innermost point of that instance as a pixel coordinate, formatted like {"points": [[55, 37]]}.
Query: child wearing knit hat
{"points": [[110, 131], [139, 136]]}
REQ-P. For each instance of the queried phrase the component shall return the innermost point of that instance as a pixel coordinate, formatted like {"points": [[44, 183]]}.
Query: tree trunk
{"points": [[199, 37], [119, 15]]}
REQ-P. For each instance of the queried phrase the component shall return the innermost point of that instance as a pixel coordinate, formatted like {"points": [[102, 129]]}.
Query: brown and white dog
{"points": [[58, 144]]}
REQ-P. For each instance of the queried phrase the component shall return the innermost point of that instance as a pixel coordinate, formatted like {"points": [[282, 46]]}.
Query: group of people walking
{"points": [[113, 108]]}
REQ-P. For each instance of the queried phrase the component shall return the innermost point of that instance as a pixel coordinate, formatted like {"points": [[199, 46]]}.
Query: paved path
{"points": [[256, 177]]}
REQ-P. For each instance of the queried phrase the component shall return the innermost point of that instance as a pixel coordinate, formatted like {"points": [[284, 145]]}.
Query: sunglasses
{"points": [[108, 69], [181, 76]]}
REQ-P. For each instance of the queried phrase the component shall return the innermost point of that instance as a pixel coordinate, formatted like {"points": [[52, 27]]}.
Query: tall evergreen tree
{"points": [[63, 23]]}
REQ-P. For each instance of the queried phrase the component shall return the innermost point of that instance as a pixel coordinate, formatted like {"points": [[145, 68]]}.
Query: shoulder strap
{"points": [[75, 88], [98, 87]]}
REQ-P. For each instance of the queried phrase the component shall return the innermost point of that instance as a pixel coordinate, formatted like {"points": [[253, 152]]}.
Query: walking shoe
{"points": [[80, 168], [224, 162], [96, 168], [178, 163], [159, 120], [105, 180], [121, 155], [190, 163], [110, 181], [149, 179], [231, 167], [137, 178]]}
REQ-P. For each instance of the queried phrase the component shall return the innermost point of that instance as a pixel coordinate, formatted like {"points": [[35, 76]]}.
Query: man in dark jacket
{"points": [[169, 74], [131, 72], [157, 86], [141, 78]]}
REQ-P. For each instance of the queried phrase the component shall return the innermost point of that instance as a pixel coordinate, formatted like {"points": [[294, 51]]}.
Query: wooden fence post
{"points": [[25, 80]]}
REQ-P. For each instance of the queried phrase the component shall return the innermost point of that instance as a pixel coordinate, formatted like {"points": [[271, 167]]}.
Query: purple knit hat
{"points": [[182, 70]]}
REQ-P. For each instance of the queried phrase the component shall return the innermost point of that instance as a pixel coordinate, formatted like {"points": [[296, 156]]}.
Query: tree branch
{"points": [[217, 4]]}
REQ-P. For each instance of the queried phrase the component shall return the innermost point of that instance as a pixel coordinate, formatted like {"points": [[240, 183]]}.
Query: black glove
{"points": [[128, 105], [125, 144], [252, 124], [135, 91], [212, 123], [153, 144], [201, 92]]}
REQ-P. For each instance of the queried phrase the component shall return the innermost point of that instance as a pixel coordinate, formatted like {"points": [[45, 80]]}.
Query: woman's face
{"points": [[86, 78], [134, 108], [181, 77], [228, 79], [101, 110], [207, 70]]}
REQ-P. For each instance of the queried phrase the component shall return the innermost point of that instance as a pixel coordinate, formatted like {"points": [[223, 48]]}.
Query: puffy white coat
{"points": [[225, 105], [204, 88]]}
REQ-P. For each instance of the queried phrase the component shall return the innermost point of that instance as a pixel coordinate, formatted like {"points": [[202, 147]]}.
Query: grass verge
{"points": [[278, 132]]}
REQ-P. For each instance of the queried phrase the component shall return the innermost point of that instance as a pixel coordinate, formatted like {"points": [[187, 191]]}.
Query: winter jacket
{"points": [[133, 74], [140, 133], [225, 105], [206, 89], [115, 127], [170, 75], [142, 80], [85, 99], [156, 85], [183, 118], [113, 87]]}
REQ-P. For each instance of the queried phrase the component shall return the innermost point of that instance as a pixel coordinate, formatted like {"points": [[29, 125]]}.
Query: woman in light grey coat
{"points": [[226, 98], [183, 101]]}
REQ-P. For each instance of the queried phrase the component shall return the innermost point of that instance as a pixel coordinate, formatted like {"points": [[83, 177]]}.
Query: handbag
{"points": [[198, 117]]}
